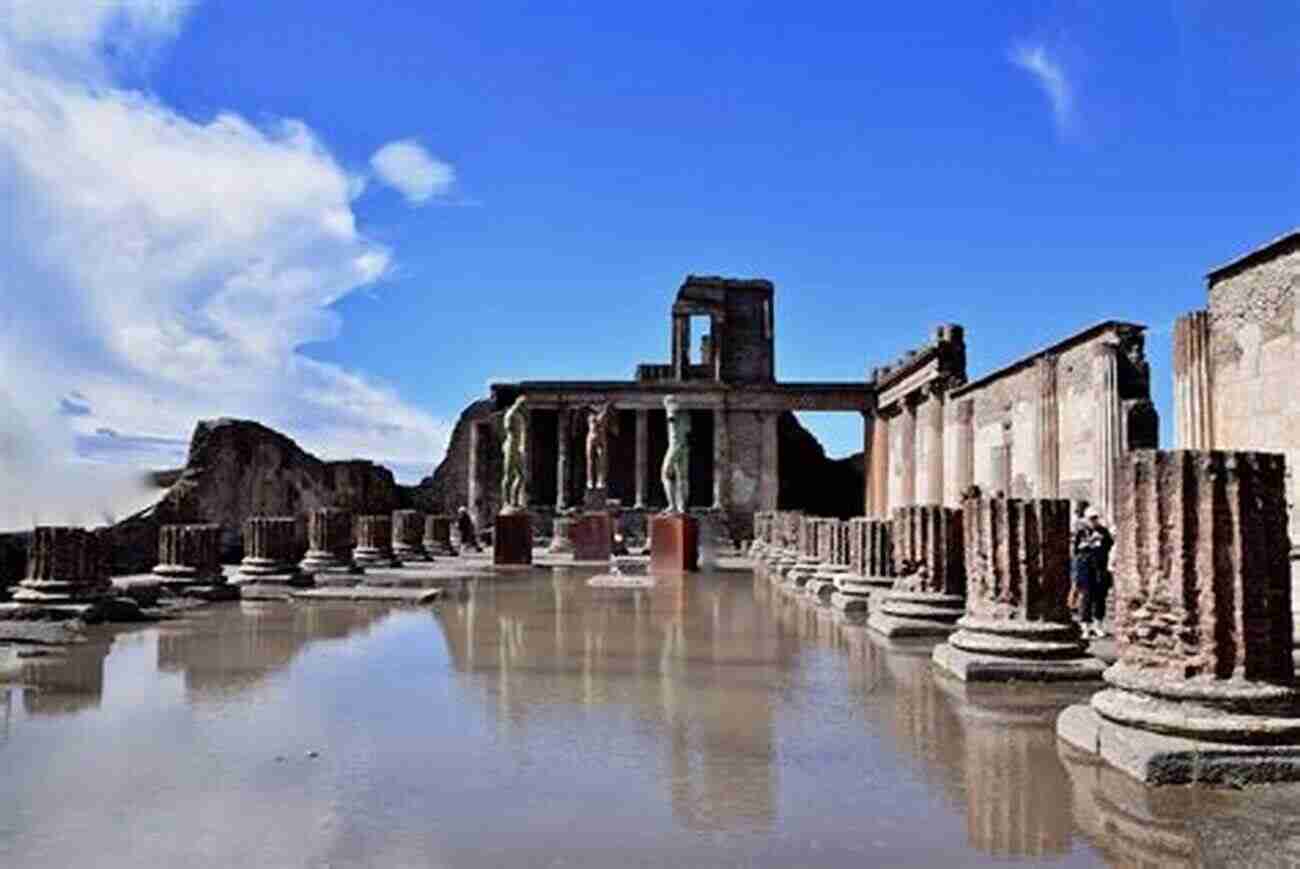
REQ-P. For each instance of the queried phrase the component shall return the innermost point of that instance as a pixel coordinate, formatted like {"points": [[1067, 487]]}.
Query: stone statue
{"points": [[675, 471], [515, 454], [602, 422]]}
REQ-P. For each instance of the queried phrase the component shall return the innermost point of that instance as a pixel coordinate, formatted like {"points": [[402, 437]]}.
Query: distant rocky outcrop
{"points": [[240, 468], [448, 488]]}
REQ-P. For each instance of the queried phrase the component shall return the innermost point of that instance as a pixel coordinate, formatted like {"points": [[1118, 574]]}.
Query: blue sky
{"points": [[381, 210]]}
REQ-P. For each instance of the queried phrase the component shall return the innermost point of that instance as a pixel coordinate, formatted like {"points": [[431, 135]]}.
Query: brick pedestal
{"points": [[1017, 624], [593, 537], [374, 536], [1203, 689], [408, 536], [269, 544], [189, 555], [512, 539], [65, 566], [437, 535], [674, 543], [329, 543], [929, 594]]}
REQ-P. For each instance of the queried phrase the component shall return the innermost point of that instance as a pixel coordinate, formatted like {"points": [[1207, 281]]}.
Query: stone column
{"points": [[563, 439], [189, 555], [1203, 689], [473, 483], [329, 542], [408, 536], [1017, 624], [374, 535], [1193, 390], [65, 566], [1048, 484], [721, 459], [932, 473], [963, 475], [878, 470], [868, 442], [906, 460], [642, 459], [769, 484], [269, 548], [929, 594], [1109, 432], [437, 535]]}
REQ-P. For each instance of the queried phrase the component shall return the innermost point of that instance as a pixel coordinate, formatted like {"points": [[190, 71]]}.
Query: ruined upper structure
{"points": [[739, 347]]}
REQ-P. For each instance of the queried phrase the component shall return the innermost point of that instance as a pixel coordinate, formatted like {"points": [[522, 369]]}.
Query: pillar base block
{"points": [[674, 543], [593, 537], [974, 667], [512, 539], [366, 556], [917, 614], [409, 552]]}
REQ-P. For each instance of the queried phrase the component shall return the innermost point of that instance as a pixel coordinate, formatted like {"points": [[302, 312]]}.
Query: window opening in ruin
{"points": [[701, 340]]}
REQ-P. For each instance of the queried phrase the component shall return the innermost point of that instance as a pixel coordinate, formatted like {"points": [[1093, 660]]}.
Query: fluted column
{"points": [[563, 438], [374, 536], [64, 565], [878, 471], [408, 535], [1202, 624], [189, 554], [329, 542], [270, 543], [932, 473], [437, 535], [1049, 429], [642, 459], [1108, 427], [905, 462], [928, 596], [1193, 384]]}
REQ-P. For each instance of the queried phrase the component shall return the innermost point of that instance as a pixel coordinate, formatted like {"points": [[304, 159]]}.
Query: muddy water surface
{"points": [[536, 721]]}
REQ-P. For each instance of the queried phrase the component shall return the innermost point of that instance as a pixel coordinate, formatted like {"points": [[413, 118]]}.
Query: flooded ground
{"points": [[535, 721]]}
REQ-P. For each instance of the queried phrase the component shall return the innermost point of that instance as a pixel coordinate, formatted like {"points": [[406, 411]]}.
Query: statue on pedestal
{"points": [[675, 471], [514, 496], [602, 421]]}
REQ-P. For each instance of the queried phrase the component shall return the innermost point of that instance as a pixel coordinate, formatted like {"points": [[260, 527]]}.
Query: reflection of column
{"points": [[721, 458], [769, 480], [932, 473], [907, 455], [879, 468], [1193, 396], [562, 438], [1049, 430], [642, 457], [1107, 456], [868, 442]]}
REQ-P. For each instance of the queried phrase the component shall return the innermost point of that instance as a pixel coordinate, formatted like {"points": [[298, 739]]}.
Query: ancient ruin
{"points": [[871, 565], [1204, 686], [270, 545], [329, 543], [374, 542], [1017, 623], [66, 569], [189, 554], [408, 536], [437, 535], [929, 594]]}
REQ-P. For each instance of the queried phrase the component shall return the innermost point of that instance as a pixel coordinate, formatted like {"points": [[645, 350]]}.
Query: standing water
{"points": [[540, 721]]}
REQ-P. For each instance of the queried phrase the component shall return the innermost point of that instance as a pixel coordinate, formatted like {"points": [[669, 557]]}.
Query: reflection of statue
{"points": [[601, 423], [515, 453], [676, 479]]}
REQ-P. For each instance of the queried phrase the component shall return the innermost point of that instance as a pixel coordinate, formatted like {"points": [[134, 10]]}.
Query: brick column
{"points": [[932, 474], [878, 470], [1017, 624], [929, 594], [904, 465], [408, 536], [65, 566], [189, 554], [270, 543], [769, 484], [1049, 429], [1108, 427], [1193, 388], [1203, 689], [563, 438], [963, 475], [642, 459]]}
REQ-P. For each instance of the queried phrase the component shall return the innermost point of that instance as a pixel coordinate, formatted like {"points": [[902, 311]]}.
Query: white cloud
{"points": [[1048, 73], [163, 269], [411, 170]]}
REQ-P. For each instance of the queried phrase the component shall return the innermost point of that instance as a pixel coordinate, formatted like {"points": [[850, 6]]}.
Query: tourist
{"points": [[1091, 549], [465, 527]]}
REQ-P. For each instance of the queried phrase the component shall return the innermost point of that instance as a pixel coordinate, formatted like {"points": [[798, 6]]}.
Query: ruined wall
{"points": [[747, 347]]}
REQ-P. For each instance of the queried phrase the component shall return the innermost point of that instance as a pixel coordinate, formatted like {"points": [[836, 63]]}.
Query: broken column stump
{"points": [[189, 556], [674, 543], [871, 565], [1017, 624], [329, 543], [512, 539], [67, 570], [408, 536], [269, 546], [929, 594], [374, 542], [437, 535], [1203, 689], [833, 549]]}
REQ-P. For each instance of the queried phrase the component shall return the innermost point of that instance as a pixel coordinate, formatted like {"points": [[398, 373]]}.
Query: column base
{"points": [[974, 667], [674, 543], [917, 614], [174, 576], [366, 556], [512, 539], [410, 552]]}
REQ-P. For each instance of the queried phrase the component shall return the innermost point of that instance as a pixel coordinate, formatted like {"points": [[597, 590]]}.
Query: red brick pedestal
{"points": [[593, 537], [674, 544], [512, 541]]}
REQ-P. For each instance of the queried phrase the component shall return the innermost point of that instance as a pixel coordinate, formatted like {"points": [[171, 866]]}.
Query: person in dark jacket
{"points": [[465, 527], [1091, 547]]}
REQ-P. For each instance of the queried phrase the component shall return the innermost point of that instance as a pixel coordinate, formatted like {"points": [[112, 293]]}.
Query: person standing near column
{"points": [[1092, 545]]}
